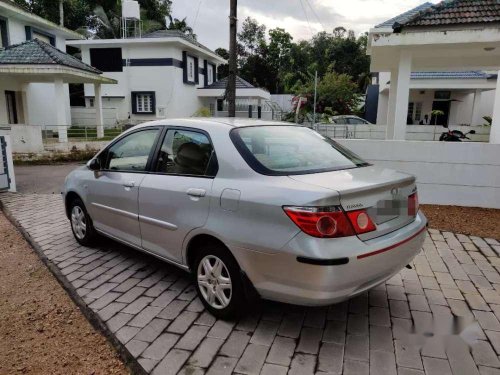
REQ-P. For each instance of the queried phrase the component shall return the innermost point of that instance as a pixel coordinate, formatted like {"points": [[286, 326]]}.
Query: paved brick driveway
{"points": [[408, 326]]}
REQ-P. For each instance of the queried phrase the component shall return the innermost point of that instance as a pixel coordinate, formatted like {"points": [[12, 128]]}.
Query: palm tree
{"points": [[181, 25]]}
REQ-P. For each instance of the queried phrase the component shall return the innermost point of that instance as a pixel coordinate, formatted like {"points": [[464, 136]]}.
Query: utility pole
{"points": [[231, 80], [315, 93], [61, 13]]}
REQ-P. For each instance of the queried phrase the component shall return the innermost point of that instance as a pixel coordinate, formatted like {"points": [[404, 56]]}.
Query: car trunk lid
{"points": [[382, 192]]}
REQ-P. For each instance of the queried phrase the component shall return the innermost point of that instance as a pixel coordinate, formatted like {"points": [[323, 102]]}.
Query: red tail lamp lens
{"points": [[413, 204], [324, 222], [361, 221]]}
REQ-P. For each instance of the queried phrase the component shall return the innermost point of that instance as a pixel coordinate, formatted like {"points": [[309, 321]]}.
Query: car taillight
{"points": [[413, 204], [360, 221], [324, 222]]}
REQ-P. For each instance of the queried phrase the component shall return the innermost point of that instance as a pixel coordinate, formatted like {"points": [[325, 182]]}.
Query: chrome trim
{"points": [[116, 211], [159, 223]]}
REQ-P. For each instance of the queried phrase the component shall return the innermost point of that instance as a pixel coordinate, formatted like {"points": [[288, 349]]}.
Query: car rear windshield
{"points": [[286, 150]]}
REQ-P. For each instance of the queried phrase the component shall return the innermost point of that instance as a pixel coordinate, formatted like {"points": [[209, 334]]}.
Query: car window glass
{"points": [[185, 152], [355, 121], [131, 153], [291, 149]]}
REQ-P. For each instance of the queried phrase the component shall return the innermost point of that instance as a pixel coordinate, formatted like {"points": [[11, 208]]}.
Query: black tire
{"points": [[87, 236], [237, 298]]}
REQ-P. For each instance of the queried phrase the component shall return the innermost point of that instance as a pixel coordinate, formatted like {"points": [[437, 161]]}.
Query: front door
{"points": [[114, 190], [174, 199], [444, 106], [10, 99]]}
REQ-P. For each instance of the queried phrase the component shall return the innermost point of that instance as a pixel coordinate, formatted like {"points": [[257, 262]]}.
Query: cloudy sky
{"points": [[209, 18]]}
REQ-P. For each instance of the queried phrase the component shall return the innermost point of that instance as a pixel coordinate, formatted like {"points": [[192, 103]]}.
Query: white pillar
{"points": [[24, 101], [60, 108], [98, 110], [476, 114], [495, 124], [393, 93], [402, 95]]}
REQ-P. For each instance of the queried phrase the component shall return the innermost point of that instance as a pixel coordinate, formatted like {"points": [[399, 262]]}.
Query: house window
{"points": [[190, 61], [143, 102], [4, 36], [106, 59], [91, 102], [42, 37], [210, 74], [190, 68], [418, 111], [32, 33], [411, 106]]}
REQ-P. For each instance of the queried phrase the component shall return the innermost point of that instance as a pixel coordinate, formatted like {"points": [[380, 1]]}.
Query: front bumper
{"points": [[281, 277]]}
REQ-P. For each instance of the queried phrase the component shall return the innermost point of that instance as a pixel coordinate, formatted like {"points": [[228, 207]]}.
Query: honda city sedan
{"points": [[250, 207]]}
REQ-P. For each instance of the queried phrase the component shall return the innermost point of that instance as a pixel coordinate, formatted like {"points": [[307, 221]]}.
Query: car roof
{"points": [[203, 122]]}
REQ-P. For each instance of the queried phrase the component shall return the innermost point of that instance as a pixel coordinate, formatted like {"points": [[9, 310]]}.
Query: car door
{"points": [[175, 198], [113, 192]]}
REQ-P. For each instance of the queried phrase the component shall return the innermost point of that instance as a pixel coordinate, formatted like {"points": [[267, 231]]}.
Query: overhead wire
{"points": [[315, 14], [307, 18]]}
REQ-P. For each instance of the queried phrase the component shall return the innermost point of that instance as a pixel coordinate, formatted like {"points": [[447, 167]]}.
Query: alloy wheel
{"points": [[78, 222], [214, 282]]}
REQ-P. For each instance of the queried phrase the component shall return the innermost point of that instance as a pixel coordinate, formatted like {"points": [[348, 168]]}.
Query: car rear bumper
{"points": [[282, 277]]}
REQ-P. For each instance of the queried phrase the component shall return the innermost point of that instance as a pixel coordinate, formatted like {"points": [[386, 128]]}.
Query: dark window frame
{"points": [[134, 102], [214, 72], [30, 30], [95, 59], [213, 164], [185, 56], [103, 155], [4, 26]]}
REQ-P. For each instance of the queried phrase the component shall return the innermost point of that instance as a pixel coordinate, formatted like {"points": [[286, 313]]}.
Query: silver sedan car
{"points": [[250, 208]]}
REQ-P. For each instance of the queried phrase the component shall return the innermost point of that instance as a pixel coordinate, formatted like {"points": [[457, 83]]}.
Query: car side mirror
{"points": [[94, 165], [472, 132]]}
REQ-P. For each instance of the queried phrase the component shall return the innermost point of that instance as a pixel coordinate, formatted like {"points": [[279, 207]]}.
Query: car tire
{"points": [[217, 277], [81, 223]]}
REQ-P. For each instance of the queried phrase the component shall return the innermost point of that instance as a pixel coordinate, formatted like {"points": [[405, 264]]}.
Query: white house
{"points": [[158, 76], [465, 97], [443, 56], [17, 26], [34, 76]]}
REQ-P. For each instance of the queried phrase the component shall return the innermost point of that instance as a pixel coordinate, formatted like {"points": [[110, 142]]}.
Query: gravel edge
{"points": [[96, 322]]}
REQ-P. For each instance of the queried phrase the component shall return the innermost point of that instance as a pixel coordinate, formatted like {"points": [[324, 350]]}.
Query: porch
{"points": [[36, 72]]}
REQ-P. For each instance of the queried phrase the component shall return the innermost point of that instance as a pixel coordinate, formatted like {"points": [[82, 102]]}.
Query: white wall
{"points": [[26, 138], [461, 174], [284, 101], [10, 162], [178, 99]]}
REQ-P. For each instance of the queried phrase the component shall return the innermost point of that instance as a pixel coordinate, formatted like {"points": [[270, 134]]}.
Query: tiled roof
{"points": [[472, 74], [36, 52], [221, 84], [457, 12], [403, 17], [176, 34]]}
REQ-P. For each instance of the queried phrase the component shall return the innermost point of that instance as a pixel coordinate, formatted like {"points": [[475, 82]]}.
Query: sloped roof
{"points": [[221, 84], [457, 12], [403, 17], [471, 74], [36, 52], [176, 34]]}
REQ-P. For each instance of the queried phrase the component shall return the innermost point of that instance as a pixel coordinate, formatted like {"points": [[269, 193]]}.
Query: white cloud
{"points": [[212, 25]]}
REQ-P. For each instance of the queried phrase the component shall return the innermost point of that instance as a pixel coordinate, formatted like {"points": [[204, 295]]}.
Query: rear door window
{"points": [[186, 152]]}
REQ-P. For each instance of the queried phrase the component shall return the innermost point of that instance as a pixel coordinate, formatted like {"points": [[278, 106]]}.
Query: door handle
{"points": [[196, 192], [129, 184]]}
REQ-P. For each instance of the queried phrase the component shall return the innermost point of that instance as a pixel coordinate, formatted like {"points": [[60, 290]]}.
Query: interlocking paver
{"points": [[152, 309]]}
